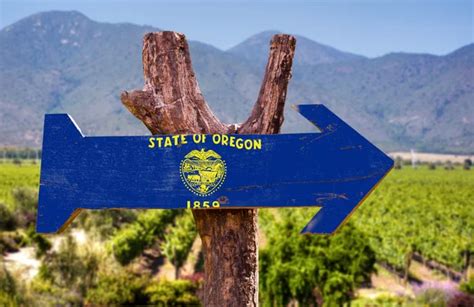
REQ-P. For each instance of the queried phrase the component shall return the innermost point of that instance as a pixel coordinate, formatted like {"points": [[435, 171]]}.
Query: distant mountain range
{"points": [[64, 62]]}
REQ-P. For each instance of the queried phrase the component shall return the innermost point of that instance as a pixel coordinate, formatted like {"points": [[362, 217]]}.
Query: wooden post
{"points": [[172, 103]]}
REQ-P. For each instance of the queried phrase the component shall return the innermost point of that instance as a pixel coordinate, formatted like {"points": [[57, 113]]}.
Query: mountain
{"points": [[308, 52], [65, 62]]}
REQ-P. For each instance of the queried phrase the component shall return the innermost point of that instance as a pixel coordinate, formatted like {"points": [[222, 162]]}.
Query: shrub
{"points": [[10, 242], [468, 286], [26, 202], [448, 165], [7, 219], [41, 243], [11, 292], [121, 288], [7, 283], [432, 297], [173, 293], [68, 272]]}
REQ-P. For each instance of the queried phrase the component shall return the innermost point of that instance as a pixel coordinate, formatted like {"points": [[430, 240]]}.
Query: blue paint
{"points": [[334, 169]]}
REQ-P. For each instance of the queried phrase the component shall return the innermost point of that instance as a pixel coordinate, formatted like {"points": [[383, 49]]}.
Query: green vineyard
{"points": [[415, 216], [423, 211], [429, 212]]}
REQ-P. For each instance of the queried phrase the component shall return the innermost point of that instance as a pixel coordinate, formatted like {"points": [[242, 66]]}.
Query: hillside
{"points": [[65, 62]]}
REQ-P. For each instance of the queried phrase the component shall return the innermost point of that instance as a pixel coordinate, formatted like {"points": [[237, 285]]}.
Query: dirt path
{"points": [[24, 262]]}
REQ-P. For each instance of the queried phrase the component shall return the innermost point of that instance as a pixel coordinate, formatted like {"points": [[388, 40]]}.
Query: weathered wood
{"points": [[267, 113], [171, 103]]}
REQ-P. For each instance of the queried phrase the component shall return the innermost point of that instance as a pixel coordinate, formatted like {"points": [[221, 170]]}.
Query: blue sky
{"points": [[370, 28]]}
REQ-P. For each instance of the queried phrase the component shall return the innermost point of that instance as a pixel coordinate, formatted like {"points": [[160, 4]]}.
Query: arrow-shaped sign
{"points": [[335, 169]]}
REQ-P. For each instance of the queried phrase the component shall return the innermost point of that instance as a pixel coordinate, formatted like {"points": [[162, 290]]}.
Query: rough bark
{"points": [[172, 103]]}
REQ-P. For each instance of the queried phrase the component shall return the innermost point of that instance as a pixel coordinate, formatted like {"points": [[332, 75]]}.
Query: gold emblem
{"points": [[203, 172]]}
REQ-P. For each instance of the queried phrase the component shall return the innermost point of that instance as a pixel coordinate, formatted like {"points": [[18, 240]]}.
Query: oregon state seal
{"points": [[203, 172]]}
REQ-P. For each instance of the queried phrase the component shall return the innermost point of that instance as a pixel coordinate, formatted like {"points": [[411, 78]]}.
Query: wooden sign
{"points": [[334, 169]]}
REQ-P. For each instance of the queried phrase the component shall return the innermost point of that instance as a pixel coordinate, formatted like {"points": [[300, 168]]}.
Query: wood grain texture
{"points": [[172, 103], [334, 169]]}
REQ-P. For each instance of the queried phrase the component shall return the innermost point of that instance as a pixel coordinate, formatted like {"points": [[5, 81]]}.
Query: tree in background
{"points": [[134, 238], [311, 268], [448, 165], [103, 224], [179, 240], [467, 164], [398, 162]]}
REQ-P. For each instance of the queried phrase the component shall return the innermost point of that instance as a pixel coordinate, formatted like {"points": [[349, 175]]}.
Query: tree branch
{"points": [[267, 113]]}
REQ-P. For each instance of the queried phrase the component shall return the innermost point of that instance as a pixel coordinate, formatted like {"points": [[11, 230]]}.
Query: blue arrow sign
{"points": [[334, 169]]}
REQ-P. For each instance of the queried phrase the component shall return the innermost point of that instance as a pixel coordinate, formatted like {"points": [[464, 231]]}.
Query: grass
{"points": [[14, 176]]}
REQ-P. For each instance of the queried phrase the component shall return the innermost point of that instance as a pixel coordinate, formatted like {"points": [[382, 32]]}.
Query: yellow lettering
{"points": [[238, 143], [160, 141], [225, 140], [216, 138], [257, 144], [248, 144], [152, 143]]}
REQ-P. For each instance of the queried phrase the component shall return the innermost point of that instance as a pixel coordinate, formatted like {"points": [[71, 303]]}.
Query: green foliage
{"points": [[41, 243], [11, 292], [118, 288], [423, 211], [125, 288], [132, 239], [468, 286], [173, 293], [103, 224], [7, 282], [179, 240], [68, 269], [311, 268], [432, 297], [25, 203]]}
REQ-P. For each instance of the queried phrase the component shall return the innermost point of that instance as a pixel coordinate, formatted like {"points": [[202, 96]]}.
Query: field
{"points": [[16, 176], [423, 212], [418, 224]]}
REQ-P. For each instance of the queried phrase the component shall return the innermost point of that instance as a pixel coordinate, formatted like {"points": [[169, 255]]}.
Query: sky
{"points": [[371, 28]]}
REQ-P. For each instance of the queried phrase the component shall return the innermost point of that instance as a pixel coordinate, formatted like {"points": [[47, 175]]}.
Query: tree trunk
{"points": [[171, 103]]}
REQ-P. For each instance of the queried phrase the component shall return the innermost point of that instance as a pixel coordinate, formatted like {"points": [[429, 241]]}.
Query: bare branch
{"points": [[267, 113]]}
